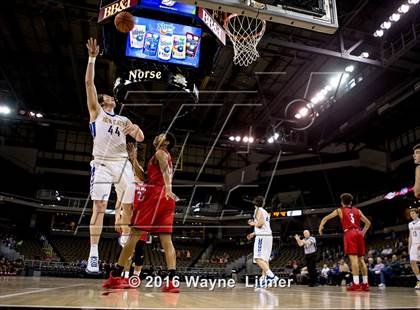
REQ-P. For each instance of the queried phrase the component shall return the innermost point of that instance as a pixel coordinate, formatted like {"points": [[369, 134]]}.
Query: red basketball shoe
{"points": [[169, 288], [365, 287], [115, 283], [354, 287]]}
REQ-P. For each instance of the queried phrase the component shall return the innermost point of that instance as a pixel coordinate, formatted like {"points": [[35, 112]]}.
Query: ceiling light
{"points": [[39, 115], [251, 140], [386, 25], [5, 110], [404, 8], [378, 33], [413, 1], [334, 81], [298, 116], [270, 140], [395, 17], [245, 139], [328, 88], [232, 138], [315, 100], [349, 68], [276, 136], [345, 76], [238, 138], [32, 114], [364, 55], [323, 92], [304, 111]]}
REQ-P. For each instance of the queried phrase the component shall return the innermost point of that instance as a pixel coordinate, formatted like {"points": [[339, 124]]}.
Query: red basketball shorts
{"points": [[155, 213], [354, 243]]}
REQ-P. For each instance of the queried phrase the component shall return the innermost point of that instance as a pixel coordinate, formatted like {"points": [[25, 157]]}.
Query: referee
{"points": [[309, 246]]}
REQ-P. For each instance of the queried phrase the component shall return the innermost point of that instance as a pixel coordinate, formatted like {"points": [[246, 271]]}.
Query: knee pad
{"points": [[138, 254]]}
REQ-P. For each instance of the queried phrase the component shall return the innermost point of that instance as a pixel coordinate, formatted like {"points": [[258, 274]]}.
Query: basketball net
{"points": [[245, 33]]}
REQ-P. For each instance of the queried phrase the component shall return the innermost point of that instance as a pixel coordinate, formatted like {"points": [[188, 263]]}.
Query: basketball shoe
{"points": [[354, 287], [169, 288]]}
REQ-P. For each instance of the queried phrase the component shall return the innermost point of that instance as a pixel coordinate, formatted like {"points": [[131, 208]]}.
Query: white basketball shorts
{"points": [[415, 252], [262, 248], [104, 173]]}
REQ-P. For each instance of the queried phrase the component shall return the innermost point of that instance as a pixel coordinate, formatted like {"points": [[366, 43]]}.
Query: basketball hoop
{"points": [[245, 33]]}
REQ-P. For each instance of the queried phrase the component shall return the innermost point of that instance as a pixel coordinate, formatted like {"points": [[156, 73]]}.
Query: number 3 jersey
{"points": [[109, 141], [350, 218]]}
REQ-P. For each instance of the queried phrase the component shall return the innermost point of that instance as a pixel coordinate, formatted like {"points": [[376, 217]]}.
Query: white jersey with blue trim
{"points": [[109, 141], [265, 229], [414, 227]]}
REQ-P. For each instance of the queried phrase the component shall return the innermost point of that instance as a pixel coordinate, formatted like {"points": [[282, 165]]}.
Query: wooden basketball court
{"points": [[84, 293]]}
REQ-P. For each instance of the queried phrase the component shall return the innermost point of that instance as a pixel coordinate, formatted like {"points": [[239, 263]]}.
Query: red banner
{"points": [[212, 24], [114, 8]]}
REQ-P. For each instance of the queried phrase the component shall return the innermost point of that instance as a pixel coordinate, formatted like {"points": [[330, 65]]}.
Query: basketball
{"points": [[124, 22]]}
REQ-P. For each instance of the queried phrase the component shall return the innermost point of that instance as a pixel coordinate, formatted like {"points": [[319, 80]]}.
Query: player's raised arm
{"points": [[92, 96], [326, 219], [162, 158], [366, 221], [134, 131], [417, 183]]}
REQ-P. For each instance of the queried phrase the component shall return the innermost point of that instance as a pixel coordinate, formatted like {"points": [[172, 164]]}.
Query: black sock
{"points": [[117, 272], [171, 274]]}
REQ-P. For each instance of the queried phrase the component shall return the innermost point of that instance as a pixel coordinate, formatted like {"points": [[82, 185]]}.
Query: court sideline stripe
{"points": [[40, 290]]}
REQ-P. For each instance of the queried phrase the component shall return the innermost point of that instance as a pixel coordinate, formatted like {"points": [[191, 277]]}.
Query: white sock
{"points": [[356, 280], [270, 273], [418, 277], [93, 250], [126, 274], [365, 279], [137, 273]]}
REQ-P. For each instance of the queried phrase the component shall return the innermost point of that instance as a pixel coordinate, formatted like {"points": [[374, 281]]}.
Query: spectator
{"points": [[372, 253], [344, 272], [377, 270], [393, 269], [295, 271], [387, 251], [325, 272], [334, 272]]}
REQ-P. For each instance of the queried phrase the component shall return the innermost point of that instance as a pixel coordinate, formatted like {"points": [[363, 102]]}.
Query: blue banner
{"points": [[169, 6]]}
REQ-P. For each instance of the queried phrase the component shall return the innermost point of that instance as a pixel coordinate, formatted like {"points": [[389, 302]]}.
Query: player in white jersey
{"points": [[263, 242], [414, 243], [110, 164]]}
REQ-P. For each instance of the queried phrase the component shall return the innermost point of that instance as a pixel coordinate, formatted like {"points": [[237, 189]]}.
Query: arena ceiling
{"points": [[44, 58]]}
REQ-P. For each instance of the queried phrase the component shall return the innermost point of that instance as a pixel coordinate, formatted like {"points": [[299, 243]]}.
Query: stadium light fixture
{"points": [[349, 69], [232, 138], [251, 139], [245, 139], [237, 138], [304, 111], [386, 25], [364, 55], [270, 140], [39, 115], [395, 17], [5, 110], [404, 8], [298, 116], [378, 33]]}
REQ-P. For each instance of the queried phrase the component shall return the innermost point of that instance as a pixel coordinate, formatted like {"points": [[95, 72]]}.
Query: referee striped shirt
{"points": [[310, 245]]}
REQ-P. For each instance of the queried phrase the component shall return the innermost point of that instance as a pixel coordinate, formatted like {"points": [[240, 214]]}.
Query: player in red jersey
{"points": [[354, 239], [155, 213], [138, 256]]}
